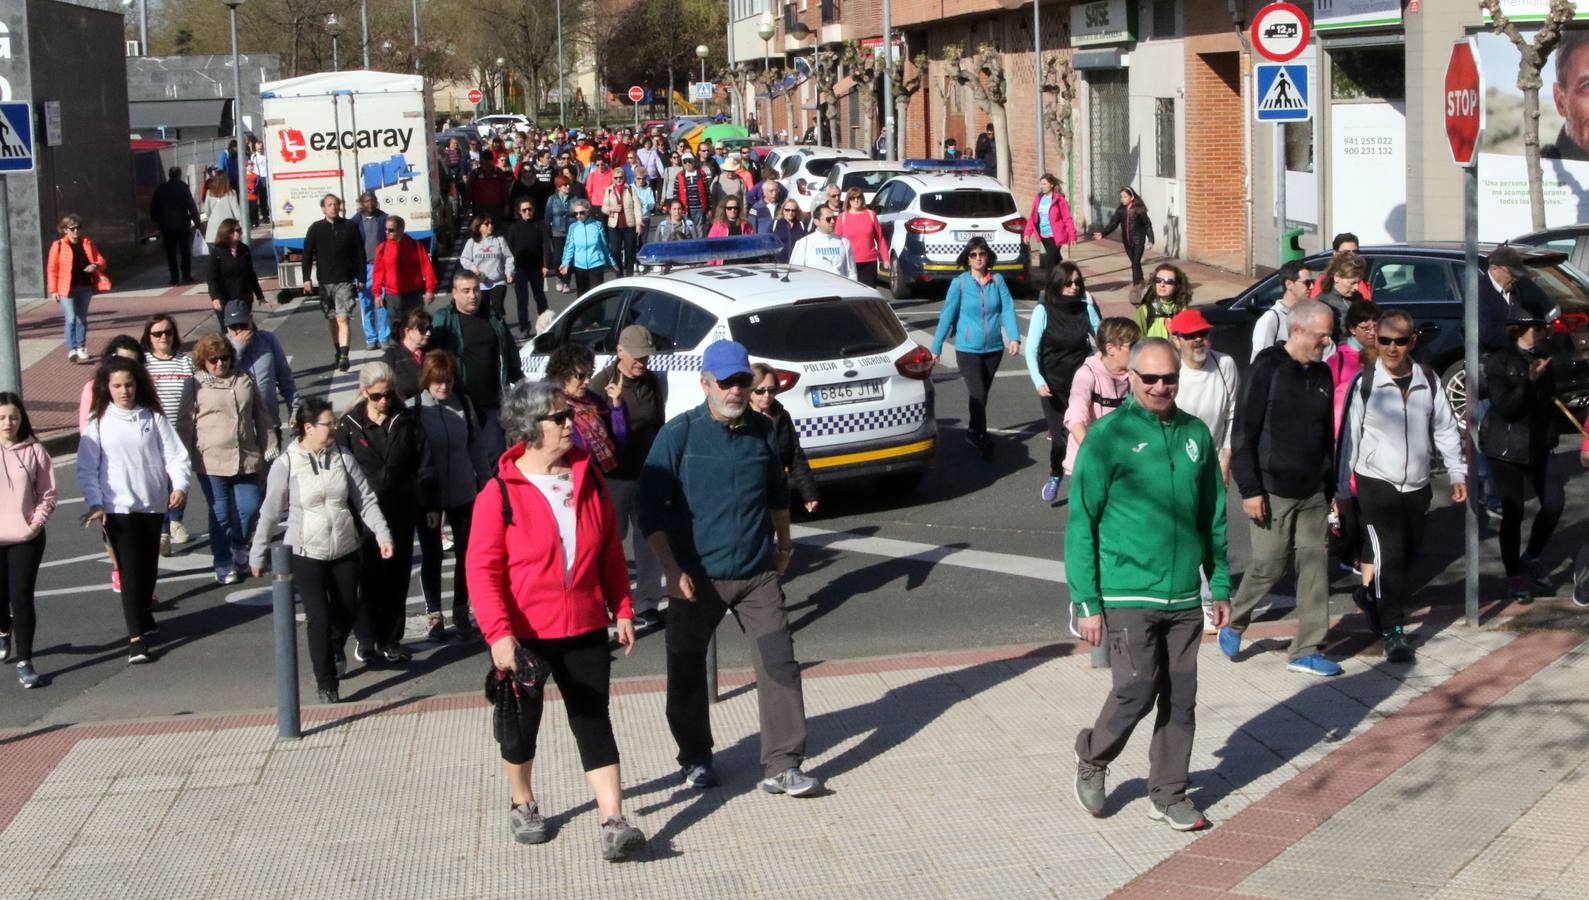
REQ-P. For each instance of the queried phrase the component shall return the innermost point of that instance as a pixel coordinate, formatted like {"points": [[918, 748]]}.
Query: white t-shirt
{"points": [[824, 251], [559, 493], [1209, 393]]}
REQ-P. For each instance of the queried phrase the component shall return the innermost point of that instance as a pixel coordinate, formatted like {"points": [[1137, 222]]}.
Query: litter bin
{"points": [[1291, 245]]}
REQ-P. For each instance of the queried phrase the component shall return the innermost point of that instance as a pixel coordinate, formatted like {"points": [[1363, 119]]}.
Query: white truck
{"points": [[345, 133]]}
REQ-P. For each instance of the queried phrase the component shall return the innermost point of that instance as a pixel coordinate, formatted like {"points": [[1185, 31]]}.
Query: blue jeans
{"points": [[234, 507], [377, 327], [75, 310]]}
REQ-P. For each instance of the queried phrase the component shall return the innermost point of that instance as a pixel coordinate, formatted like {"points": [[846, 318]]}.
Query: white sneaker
{"points": [[179, 533], [225, 575]]}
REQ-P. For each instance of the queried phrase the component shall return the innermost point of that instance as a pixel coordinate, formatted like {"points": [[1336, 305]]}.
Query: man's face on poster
{"points": [[1572, 94]]}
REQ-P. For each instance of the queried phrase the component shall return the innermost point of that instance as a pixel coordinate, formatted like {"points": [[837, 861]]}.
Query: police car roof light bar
{"points": [[708, 250], [946, 166]]}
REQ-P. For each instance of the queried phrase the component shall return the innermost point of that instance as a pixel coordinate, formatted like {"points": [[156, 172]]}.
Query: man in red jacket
{"points": [[402, 269], [489, 188]]}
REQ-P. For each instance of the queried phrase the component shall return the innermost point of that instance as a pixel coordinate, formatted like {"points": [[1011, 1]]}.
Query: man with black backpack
{"points": [[1396, 414]]}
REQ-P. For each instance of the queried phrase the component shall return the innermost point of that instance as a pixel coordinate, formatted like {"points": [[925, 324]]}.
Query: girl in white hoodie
{"points": [[27, 497], [132, 469]]}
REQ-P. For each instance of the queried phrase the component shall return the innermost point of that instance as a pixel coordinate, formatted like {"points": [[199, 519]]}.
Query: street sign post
{"points": [[703, 90], [637, 95], [1280, 31], [474, 96], [16, 155], [1282, 92], [1464, 112]]}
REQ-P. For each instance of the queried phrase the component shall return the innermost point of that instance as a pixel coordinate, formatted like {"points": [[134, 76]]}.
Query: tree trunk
{"points": [[670, 96], [1536, 187], [901, 111], [1001, 139]]}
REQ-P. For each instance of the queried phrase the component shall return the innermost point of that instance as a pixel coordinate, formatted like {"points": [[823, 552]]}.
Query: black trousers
{"points": [[866, 273], [585, 279], [1058, 436], [623, 242], [19, 573], [1513, 480], [1049, 257], [582, 669], [135, 538], [329, 589], [1393, 524], [977, 369], [1134, 252], [430, 554], [383, 583], [529, 281], [179, 254], [497, 297]]}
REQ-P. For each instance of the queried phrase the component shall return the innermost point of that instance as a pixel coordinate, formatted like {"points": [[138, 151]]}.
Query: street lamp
{"points": [[333, 28], [237, 121], [888, 80], [765, 29], [364, 28], [703, 51], [502, 78], [562, 116]]}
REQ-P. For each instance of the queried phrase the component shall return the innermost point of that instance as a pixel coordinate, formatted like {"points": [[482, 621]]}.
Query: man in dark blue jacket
{"points": [[1505, 282], [719, 526], [175, 215]]}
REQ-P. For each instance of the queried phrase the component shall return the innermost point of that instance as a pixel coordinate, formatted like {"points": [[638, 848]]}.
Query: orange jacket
{"points": [[58, 268]]}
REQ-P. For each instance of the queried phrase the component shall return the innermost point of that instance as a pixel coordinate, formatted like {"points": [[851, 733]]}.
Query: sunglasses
{"points": [[381, 395], [560, 418], [393, 231], [1386, 340], [1309, 281], [220, 359], [162, 333], [742, 382], [762, 391], [1074, 282], [580, 213], [74, 228], [1164, 281], [731, 208], [790, 209], [1196, 335], [977, 253], [826, 218], [1170, 379]]}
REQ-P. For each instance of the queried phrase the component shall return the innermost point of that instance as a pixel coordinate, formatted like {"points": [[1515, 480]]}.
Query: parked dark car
{"points": [[1425, 280]]}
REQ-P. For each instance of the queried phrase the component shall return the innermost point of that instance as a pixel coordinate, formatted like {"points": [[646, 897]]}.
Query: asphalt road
{"points": [[971, 558]]}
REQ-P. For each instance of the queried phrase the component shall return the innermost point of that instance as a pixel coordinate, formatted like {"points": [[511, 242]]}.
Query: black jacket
{"points": [[405, 367], [531, 245], [1493, 308], [395, 457], [172, 207], [787, 440], [334, 251], [1138, 227], [788, 234], [644, 402], [1283, 440], [1521, 424], [232, 277]]}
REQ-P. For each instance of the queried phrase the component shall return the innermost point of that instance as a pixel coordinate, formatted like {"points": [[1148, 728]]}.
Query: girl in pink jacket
{"points": [[1101, 384], [1050, 222], [27, 497]]}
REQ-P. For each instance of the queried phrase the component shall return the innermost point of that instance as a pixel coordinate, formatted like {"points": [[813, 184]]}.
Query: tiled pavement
{"points": [[949, 775]]}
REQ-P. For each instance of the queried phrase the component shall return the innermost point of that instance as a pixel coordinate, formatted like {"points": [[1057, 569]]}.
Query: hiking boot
{"points": [[26, 676], [329, 695], [1090, 787], [1050, 491], [699, 776], [527, 824], [1537, 574], [435, 628], [618, 838], [1397, 648], [1517, 588], [1365, 600], [1182, 816], [342, 359], [1229, 642], [1314, 664], [791, 781]]}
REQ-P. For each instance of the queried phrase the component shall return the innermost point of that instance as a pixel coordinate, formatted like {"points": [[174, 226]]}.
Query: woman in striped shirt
{"points": [[171, 371]]}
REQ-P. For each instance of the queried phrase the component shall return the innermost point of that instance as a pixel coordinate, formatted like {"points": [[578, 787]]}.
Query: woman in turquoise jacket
{"points": [[585, 250], [980, 313]]}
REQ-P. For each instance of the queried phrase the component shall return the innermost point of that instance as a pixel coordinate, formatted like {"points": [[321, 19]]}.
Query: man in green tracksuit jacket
{"points": [[1147, 521]]}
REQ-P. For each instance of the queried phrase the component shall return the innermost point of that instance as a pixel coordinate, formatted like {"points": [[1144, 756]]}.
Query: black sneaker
{"points": [[1365, 601], [139, 654], [462, 625], [699, 776], [1397, 647], [394, 653], [329, 695], [341, 660], [435, 628], [1537, 574], [647, 620], [361, 652], [342, 359], [619, 838]]}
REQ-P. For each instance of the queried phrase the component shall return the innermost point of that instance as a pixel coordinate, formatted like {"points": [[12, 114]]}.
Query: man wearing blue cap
{"points": [[714, 506]]}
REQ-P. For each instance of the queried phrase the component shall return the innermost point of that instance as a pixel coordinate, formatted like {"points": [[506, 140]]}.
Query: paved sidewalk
{"points": [[1109, 276], [949, 776]]}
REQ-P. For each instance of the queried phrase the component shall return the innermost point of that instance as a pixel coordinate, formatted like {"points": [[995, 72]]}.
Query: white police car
{"points": [[804, 173], [930, 212], [856, 385], [867, 174]]}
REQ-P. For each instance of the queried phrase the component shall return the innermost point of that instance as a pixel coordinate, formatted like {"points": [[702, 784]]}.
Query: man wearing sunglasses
{"points": [[719, 526], [1147, 524], [1273, 326], [1282, 454], [822, 249]]}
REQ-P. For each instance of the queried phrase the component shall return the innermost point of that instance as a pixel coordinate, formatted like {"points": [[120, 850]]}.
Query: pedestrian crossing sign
{"points": [[16, 137], [1282, 92]]}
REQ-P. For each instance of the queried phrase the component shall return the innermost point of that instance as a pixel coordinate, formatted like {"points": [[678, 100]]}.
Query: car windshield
{"points": [[821, 167], [807, 332], [868, 181], [967, 204]]}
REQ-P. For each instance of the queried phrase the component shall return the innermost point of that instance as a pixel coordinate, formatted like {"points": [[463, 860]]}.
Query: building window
{"points": [[1164, 136], [1368, 73], [1164, 18]]}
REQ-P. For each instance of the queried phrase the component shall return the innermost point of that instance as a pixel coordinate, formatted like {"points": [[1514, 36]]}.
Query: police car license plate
{"points": [[853, 392], [968, 235]]}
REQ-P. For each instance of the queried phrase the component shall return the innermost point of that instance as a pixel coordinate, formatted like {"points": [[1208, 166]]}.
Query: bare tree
{"points": [[866, 67], [984, 75], [1059, 86], [1533, 57]]}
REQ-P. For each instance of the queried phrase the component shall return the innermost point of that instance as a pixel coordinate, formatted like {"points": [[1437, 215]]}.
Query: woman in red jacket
{"points": [[546, 572], [859, 226], [74, 272]]}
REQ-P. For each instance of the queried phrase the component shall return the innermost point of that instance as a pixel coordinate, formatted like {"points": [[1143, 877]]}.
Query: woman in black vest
{"points": [[1058, 339]]}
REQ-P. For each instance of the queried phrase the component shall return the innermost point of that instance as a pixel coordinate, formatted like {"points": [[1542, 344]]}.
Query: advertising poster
{"points": [[1563, 137], [1369, 165]]}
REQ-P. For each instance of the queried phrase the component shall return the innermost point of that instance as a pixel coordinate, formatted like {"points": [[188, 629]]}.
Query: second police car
{"points": [[858, 388], [930, 212]]}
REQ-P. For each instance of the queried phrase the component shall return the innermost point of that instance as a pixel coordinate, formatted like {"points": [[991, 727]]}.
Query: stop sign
{"points": [[636, 94], [474, 95], [1464, 99]]}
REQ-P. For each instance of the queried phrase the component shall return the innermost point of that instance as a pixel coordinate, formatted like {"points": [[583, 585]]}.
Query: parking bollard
{"points": [[285, 617], [711, 668]]}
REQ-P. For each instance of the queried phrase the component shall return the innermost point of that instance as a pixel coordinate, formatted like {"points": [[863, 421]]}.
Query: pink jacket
{"points": [[864, 234], [1094, 391], [517, 580], [1344, 366], [27, 490], [1058, 219]]}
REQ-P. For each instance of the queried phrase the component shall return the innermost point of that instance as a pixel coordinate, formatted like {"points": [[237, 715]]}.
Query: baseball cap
{"points": [[635, 340], [725, 359], [236, 313], [1189, 321], [1508, 258]]}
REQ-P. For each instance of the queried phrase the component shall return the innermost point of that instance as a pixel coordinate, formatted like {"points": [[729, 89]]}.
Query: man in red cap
{"points": [[1208, 391]]}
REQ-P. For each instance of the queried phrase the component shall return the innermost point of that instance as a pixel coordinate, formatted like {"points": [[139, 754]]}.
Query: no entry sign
{"points": [[474, 95], [1464, 102], [1280, 31]]}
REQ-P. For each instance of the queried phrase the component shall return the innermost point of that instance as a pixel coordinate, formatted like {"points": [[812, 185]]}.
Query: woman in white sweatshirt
{"points": [[132, 470], [487, 255]]}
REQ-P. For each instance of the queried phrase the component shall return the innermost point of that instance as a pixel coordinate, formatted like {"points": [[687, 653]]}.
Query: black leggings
{"points": [[497, 298], [1393, 524], [866, 273], [135, 539], [1134, 252], [329, 589], [19, 572], [582, 668], [1049, 258], [1513, 480], [585, 279], [977, 369], [383, 583], [430, 553], [1058, 434]]}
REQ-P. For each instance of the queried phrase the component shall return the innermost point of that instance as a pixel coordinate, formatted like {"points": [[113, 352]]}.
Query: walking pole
{"points": [[711, 668], [285, 619], [1570, 417]]}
